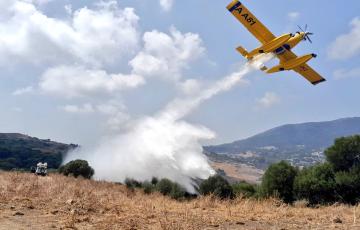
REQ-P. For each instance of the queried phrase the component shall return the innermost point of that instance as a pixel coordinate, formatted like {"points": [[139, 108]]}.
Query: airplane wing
{"points": [[311, 75], [250, 22], [305, 70]]}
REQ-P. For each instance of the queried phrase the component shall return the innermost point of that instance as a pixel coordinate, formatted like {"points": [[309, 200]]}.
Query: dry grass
{"points": [[58, 202]]}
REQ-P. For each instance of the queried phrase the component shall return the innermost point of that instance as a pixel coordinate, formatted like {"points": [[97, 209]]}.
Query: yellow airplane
{"points": [[281, 46]]}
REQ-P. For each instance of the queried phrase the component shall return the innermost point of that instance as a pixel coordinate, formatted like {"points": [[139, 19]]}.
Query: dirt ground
{"points": [[240, 172], [57, 202]]}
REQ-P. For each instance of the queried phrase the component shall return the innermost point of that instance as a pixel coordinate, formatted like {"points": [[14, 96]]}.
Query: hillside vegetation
{"points": [[301, 145], [58, 202], [18, 151]]}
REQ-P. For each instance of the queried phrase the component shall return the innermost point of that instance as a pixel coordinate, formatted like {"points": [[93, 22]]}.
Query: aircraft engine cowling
{"points": [[289, 65]]}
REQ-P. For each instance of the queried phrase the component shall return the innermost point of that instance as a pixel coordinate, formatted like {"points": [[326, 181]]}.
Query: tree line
{"points": [[335, 180]]}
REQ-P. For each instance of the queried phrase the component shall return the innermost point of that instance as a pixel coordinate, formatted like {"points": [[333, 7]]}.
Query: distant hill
{"points": [[21, 151], [301, 144]]}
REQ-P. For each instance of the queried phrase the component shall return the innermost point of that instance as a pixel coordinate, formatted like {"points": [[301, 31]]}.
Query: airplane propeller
{"points": [[307, 33]]}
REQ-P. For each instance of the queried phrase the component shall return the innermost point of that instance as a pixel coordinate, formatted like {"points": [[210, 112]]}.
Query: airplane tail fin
{"points": [[242, 51]]}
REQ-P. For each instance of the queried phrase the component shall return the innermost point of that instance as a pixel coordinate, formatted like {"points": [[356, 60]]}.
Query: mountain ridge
{"points": [[301, 144], [333, 125]]}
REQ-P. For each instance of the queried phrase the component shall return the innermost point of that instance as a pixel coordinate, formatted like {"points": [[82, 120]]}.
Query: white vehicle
{"points": [[41, 169]]}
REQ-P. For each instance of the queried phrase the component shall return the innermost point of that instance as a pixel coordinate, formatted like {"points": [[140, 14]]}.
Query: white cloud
{"points": [[293, 15], [23, 91], [166, 4], [166, 56], [190, 86], [39, 2], [92, 36], [109, 109], [116, 113], [92, 39], [77, 81], [68, 9], [268, 100], [78, 109], [347, 45], [118, 121], [343, 73], [5, 4]]}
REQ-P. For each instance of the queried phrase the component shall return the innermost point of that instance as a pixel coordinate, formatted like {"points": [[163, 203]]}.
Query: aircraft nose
{"points": [[314, 55]]}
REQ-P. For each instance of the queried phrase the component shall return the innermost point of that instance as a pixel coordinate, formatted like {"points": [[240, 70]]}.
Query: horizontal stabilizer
{"points": [[242, 51]]}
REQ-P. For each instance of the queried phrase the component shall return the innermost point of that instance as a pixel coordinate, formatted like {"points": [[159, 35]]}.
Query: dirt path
{"points": [[15, 217]]}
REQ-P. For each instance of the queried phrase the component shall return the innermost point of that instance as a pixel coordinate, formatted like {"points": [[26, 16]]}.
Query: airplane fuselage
{"points": [[291, 43], [277, 46]]}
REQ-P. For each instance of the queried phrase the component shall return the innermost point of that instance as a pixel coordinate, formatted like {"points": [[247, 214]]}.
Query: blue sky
{"points": [[37, 97]]}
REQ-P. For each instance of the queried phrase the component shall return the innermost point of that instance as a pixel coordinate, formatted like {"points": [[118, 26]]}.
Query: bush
{"points": [[164, 186], [77, 168], [344, 154], [131, 183], [244, 189], [177, 192], [348, 186], [316, 184], [148, 187], [7, 165], [172, 189], [217, 186], [154, 181], [278, 181]]}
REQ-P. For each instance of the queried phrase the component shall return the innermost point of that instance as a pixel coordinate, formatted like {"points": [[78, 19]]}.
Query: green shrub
{"points": [[132, 183], [7, 165], [154, 181], [77, 168], [148, 187], [278, 181], [348, 186], [316, 184], [172, 189], [344, 154], [164, 186], [244, 189], [217, 186], [177, 192]]}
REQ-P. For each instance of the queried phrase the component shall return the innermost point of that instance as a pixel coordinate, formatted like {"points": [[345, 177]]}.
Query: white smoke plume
{"points": [[164, 145]]}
